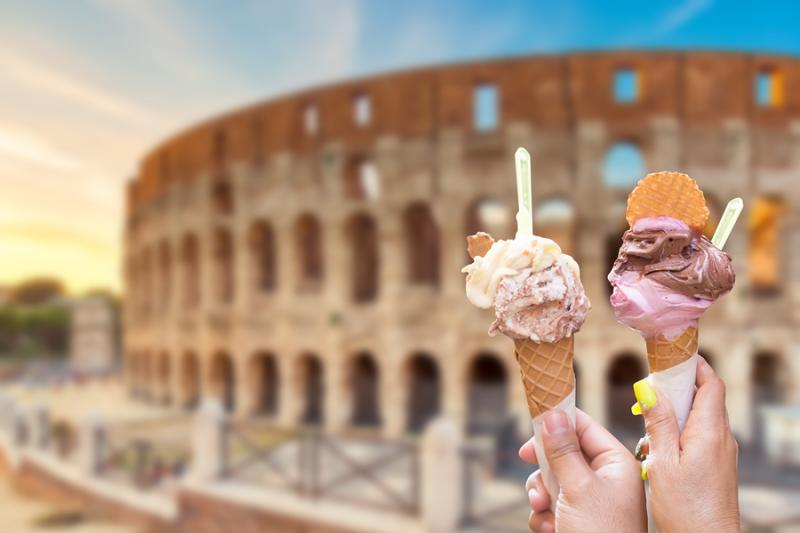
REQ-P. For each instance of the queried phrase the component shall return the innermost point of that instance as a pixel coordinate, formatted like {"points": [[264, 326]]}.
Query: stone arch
{"points": [[556, 219], [223, 380], [625, 369], [765, 253], [148, 375], [224, 265], [714, 214], [423, 382], [263, 255], [422, 245], [308, 246], [361, 179], [362, 233], [489, 215], [222, 195], [165, 274], [487, 394], [165, 378], [769, 377], [190, 259], [364, 385], [148, 289], [311, 389], [190, 380], [624, 165], [264, 384]]}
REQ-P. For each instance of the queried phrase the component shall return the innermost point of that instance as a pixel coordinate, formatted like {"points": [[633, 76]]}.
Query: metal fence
{"points": [[367, 471]]}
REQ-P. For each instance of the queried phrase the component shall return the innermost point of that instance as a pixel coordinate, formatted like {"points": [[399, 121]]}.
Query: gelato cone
{"points": [[663, 353], [547, 372], [539, 303], [666, 275]]}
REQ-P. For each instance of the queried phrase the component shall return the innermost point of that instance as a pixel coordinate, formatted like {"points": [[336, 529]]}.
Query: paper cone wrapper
{"points": [[673, 368], [549, 381]]}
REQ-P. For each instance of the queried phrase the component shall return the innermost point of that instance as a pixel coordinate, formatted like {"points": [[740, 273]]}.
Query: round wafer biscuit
{"points": [[671, 194]]}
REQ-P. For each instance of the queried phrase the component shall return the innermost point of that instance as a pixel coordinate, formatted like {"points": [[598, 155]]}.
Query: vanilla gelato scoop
{"points": [[534, 287]]}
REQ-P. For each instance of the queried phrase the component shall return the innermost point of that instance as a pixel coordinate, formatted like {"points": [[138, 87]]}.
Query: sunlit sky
{"points": [[87, 86]]}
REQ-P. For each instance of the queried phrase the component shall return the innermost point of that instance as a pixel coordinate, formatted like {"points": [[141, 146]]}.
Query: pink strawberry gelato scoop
{"points": [[666, 276]]}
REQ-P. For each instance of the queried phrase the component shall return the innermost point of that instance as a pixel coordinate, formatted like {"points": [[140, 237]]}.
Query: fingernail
{"points": [[644, 470], [644, 393], [636, 409], [556, 422], [533, 493]]}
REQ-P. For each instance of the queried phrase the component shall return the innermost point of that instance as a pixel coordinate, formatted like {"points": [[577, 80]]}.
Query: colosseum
{"points": [[300, 258]]}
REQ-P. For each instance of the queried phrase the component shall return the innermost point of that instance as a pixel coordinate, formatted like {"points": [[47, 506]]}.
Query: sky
{"points": [[88, 86]]}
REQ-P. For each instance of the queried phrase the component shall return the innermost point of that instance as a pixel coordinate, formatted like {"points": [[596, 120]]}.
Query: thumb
{"points": [[659, 421], [560, 443]]}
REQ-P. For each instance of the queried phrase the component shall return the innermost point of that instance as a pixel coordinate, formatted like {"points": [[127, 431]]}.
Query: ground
{"points": [[22, 515]]}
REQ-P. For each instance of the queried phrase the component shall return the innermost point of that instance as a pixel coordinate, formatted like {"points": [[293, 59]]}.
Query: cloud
{"points": [[50, 81], [26, 147], [679, 16]]}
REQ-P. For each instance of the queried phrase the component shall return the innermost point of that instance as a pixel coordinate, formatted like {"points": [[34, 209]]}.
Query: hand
{"points": [[600, 483], [693, 476]]}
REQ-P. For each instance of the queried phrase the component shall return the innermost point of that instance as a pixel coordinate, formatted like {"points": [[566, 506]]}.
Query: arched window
{"points": [[363, 236], [262, 251], [223, 262], [311, 384], [488, 394], [308, 245], [165, 378], [764, 253], [624, 166], [422, 245], [222, 195], [190, 380], [191, 271], [555, 219], [265, 382], [361, 179], [223, 380], [624, 371], [423, 393], [365, 389], [490, 216], [165, 282]]}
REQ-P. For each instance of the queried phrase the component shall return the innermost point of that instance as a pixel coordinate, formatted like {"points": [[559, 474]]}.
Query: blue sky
{"points": [[87, 86]]}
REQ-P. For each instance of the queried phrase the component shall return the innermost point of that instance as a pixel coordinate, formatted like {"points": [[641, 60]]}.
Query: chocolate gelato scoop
{"points": [[667, 252]]}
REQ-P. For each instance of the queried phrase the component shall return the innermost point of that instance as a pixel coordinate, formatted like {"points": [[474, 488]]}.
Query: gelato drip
{"points": [[535, 288], [666, 276]]}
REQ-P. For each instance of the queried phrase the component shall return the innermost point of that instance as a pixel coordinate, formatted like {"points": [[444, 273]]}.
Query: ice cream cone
{"points": [[663, 353], [547, 373]]}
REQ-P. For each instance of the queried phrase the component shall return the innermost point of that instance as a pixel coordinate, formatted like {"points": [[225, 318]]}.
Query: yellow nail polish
{"points": [[644, 470], [644, 393], [636, 409]]}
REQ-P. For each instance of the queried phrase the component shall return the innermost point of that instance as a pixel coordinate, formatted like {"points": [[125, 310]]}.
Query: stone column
{"points": [[92, 444], [442, 473], [38, 423], [208, 438], [735, 370]]}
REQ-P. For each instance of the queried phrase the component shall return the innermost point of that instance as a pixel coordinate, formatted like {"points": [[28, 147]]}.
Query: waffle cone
{"points": [[671, 194], [663, 354], [547, 372]]}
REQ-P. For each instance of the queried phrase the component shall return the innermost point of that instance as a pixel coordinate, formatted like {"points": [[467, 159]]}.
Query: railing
{"points": [[372, 472], [148, 457], [490, 502]]}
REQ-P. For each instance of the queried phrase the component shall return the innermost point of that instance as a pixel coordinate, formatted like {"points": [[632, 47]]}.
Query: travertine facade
{"points": [[297, 255]]}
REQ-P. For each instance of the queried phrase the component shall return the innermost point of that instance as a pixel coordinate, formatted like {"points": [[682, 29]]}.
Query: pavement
{"points": [[19, 514]]}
